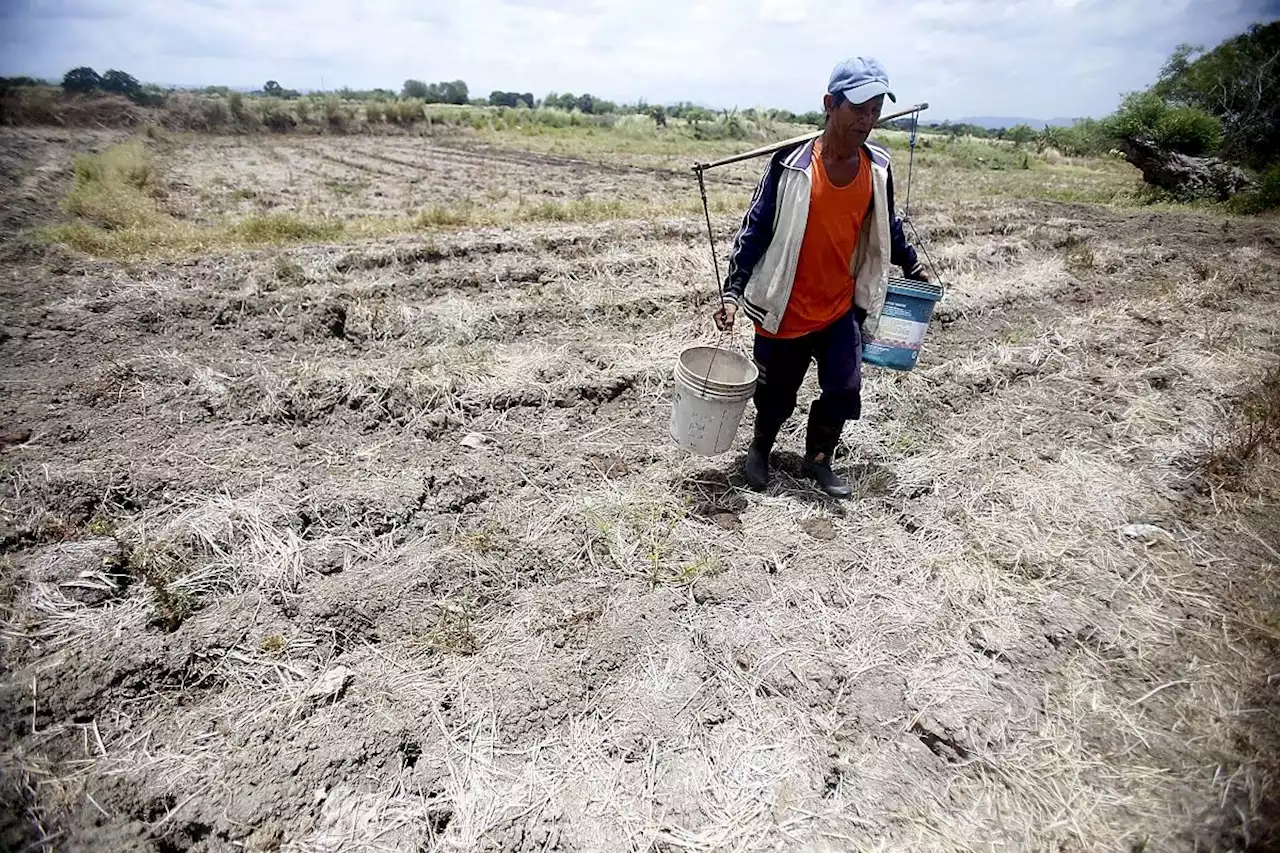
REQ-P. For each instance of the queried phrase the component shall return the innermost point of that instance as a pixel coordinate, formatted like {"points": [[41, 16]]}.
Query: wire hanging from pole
{"points": [[911, 161], [706, 210], [906, 209], [715, 261]]}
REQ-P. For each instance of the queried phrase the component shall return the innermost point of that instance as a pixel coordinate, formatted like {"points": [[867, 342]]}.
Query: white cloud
{"points": [[783, 11], [1039, 58]]}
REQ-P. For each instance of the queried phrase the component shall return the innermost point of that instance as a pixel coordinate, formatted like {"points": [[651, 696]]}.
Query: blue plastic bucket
{"points": [[908, 305]]}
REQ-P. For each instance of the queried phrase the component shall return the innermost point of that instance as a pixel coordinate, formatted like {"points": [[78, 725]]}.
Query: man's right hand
{"points": [[724, 316]]}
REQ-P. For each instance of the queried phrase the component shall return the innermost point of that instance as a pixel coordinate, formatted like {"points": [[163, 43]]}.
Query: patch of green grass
{"points": [[169, 237], [966, 153], [637, 142], [275, 228], [165, 239], [123, 243]]}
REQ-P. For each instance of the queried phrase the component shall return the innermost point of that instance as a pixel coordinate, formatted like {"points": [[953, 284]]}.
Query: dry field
{"points": [[379, 542]]}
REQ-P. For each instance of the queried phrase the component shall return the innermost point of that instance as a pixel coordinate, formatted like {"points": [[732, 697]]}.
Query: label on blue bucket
{"points": [[901, 331]]}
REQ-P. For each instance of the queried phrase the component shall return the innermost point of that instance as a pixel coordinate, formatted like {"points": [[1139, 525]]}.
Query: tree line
{"points": [[1222, 102]]}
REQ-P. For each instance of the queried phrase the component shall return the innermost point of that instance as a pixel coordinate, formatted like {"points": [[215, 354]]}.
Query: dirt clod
{"points": [[329, 687], [819, 528]]}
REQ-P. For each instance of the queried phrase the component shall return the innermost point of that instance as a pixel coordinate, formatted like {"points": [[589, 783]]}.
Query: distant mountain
{"points": [[994, 122]]}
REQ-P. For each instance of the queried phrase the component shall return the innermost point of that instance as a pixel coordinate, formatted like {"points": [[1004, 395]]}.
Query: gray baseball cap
{"points": [[860, 79]]}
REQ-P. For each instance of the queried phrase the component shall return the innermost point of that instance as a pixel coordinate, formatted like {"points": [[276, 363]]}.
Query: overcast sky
{"points": [[1034, 58]]}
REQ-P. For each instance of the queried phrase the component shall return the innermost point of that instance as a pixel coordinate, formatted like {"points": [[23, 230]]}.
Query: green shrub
{"points": [[1138, 115], [1145, 115], [1237, 82], [376, 111], [1189, 130], [81, 80], [303, 109], [1265, 197], [1269, 188], [1020, 134]]}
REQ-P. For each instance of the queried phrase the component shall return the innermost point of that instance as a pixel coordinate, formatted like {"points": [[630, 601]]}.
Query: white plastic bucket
{"points": [[713, 386]]}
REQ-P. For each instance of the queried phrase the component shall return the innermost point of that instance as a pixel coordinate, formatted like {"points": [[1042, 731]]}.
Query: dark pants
{"points": [[783, 364]]}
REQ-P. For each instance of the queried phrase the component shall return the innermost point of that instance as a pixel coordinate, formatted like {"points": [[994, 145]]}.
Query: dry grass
{"points": [[119, 198], [561, 631], [1252, 430], [116, 190]]}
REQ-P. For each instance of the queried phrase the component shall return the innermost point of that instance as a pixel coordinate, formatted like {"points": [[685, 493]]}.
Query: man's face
{"points": [[853, 121]]}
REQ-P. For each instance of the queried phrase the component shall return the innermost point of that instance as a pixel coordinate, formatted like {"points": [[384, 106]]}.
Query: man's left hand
{"points": [[918, 274]]}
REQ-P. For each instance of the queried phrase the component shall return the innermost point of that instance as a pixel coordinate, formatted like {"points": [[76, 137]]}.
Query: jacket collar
{"points": [[802, 158]]}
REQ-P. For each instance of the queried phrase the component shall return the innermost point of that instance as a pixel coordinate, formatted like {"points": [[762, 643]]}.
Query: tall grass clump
{"points": [[440, 216], [276, 116], [116, 189], [409, 113], [334, 116], [240, 112]]}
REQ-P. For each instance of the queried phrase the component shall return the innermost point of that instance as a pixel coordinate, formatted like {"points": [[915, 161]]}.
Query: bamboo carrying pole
{"points": [[769, 149]]}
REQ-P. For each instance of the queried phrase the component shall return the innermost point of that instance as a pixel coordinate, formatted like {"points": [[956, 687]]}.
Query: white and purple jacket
{"points": [[762, 262]]}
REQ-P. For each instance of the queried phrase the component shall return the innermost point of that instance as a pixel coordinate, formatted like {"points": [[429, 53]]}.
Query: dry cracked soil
{"points": [[384, 544]]}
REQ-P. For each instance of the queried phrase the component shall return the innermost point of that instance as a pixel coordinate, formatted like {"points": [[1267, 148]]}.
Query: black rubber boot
{"points": [[757, 466], [820, 445]]}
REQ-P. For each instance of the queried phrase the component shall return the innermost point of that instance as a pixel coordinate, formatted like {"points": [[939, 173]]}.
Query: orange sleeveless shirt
{"points": [[823, 289]]}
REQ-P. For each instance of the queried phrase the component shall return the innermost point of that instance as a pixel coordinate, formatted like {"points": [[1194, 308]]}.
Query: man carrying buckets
{"points": [[809, 266]]}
